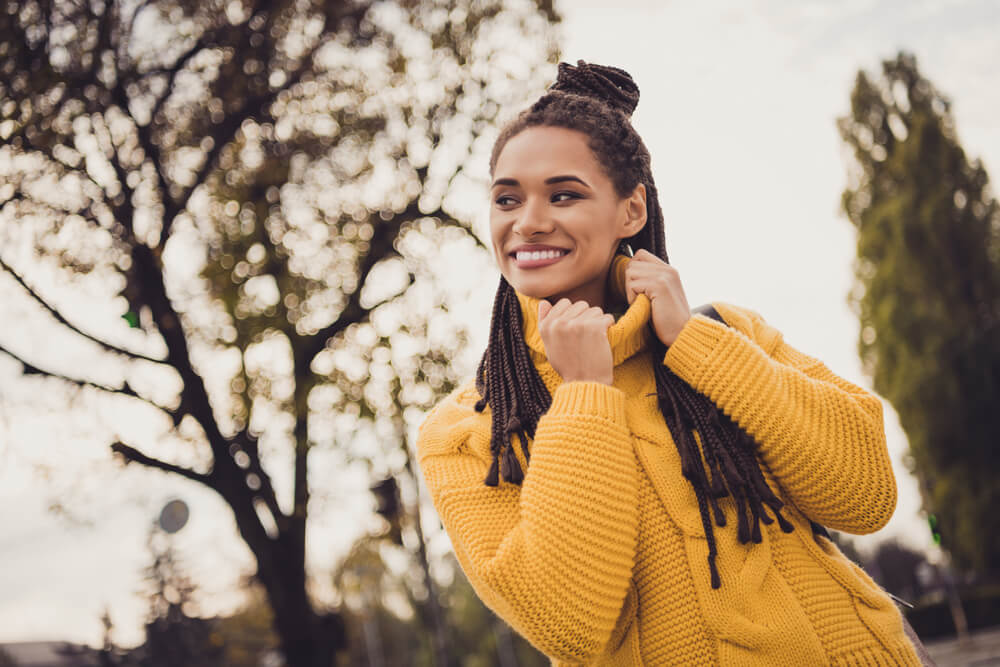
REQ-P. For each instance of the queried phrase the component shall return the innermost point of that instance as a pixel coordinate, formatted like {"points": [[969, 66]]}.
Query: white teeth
{"points": [[531, 256]]}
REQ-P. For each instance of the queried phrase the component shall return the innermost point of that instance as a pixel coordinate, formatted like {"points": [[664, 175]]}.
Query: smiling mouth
{"points": [[531, 259]]}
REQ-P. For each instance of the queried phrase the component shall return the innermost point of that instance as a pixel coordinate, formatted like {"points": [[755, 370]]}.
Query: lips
{"points": [[530, 257]]}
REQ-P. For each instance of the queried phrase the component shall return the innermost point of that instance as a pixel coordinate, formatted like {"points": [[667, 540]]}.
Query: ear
{"points": [[635, 212]]}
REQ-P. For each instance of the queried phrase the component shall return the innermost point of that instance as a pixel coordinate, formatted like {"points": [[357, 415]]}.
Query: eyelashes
{"points": [[555, 196]]}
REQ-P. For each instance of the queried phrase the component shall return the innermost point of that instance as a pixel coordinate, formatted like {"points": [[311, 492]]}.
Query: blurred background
{"points": [[244, 249]]}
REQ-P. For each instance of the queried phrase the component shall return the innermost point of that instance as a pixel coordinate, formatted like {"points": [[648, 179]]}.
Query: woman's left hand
{"points": [[648, 274]]}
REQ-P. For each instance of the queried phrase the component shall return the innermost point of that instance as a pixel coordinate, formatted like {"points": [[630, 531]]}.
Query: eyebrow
{"points": [[548, 181]]}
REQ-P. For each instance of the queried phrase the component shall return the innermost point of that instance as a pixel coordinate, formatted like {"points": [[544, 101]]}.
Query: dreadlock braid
{"points": [[508, 381], [598, 101]]}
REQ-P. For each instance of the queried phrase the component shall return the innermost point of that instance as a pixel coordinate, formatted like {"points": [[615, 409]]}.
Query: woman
{"points": [[580, 473]]}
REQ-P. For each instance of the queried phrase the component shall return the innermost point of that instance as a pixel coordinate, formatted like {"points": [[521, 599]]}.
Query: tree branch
{"points": [[249, 444], [144, 132], [87, 213], [112, 156], [255, 106], [103, 37], [144, 135], [125, 389], [135, 14], [62, 320], [132, 454], [380, 247], [49, 155], [194, 396]]}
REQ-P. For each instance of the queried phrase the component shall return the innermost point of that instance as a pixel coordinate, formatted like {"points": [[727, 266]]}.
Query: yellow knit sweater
{"points": [[600, 558]]}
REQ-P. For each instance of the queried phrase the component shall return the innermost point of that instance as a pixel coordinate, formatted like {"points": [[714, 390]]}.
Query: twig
{"points": [[62, 320], [132, 454]]}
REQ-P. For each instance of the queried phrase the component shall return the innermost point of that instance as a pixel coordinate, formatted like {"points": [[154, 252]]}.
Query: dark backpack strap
{"points": [[709, 310]]}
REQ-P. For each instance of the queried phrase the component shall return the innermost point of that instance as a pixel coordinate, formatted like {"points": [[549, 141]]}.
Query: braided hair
{"points": [[598, 101]]}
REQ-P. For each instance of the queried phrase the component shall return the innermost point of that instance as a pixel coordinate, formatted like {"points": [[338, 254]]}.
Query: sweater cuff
{"points": [[686, 355], [591, 398]]}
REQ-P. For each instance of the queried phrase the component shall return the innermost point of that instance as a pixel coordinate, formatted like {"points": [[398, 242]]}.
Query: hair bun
{"points": [[611, 85]]}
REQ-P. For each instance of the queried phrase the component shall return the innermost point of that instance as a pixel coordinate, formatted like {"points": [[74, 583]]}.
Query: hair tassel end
{"points": [[493, 476]]}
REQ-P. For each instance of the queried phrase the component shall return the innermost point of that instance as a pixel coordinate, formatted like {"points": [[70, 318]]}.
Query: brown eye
{"points": [[502, 200], [568, 195]]}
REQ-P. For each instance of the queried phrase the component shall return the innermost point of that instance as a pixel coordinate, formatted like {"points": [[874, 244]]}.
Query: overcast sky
{"points": [[738, 108]]}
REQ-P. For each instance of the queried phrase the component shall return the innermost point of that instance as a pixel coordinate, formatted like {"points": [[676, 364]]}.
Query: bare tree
{"points": [[254, 180]]}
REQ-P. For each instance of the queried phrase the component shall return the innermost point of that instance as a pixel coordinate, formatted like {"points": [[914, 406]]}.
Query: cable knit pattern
{"points": [[599, 557], [683, 639], [822, 436]]}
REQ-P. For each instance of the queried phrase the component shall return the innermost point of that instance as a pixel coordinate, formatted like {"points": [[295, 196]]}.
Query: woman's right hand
{"points": [[576, 340]]}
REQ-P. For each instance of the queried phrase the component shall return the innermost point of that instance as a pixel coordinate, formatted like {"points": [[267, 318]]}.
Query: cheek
{"points": [[599, 232], [496, 239]]}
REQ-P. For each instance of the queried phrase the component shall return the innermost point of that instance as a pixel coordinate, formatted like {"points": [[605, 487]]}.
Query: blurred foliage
{"points": [[248, 635], [387, 622], [262, 190], [928, 296], [481, 637], [898, 569], [934, 620], [177, 635], [383, 607]]}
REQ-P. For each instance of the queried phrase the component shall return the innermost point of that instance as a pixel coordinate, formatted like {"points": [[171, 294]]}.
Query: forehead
{"points": [[539, 152]]}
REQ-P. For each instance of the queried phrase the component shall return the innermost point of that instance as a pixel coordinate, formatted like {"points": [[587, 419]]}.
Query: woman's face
{"points": [[555, 218]]}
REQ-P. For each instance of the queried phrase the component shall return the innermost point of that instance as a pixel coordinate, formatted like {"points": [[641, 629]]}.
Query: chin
{"points": [[534, 291]]}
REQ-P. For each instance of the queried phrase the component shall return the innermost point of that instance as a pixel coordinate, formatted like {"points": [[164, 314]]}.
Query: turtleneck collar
{"points": [[627, 336]]}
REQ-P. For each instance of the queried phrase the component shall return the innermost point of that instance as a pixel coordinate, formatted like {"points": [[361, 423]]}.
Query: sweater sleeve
{"points": [[554, 556], [821, 436]]}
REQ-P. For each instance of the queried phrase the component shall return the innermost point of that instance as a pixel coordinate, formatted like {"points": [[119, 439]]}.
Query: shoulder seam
{"points": [[769, 342]]}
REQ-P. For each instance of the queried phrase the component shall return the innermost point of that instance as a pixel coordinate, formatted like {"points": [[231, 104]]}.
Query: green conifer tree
{"points": [[928, 296]]}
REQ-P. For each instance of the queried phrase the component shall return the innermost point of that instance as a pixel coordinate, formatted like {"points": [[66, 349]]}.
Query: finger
{"points": [[647, 258], [576, 310], [644, 286], [596, 311], [560, 307], [543, 309], [565, 304], [649, 269], [629, 291]]}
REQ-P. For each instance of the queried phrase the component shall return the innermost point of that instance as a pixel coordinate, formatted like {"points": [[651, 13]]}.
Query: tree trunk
{"points": [[441, 641], [308, 639]]}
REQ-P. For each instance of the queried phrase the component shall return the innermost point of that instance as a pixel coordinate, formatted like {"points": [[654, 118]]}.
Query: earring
{"points": [[625, 249]]}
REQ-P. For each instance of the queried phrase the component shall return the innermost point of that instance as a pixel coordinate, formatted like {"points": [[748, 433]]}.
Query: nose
{"points": [[533, 218]]}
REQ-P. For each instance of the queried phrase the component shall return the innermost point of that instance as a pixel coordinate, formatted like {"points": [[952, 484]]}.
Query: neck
{"points": [[608, 293], [594, 293], [627, 336]]}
